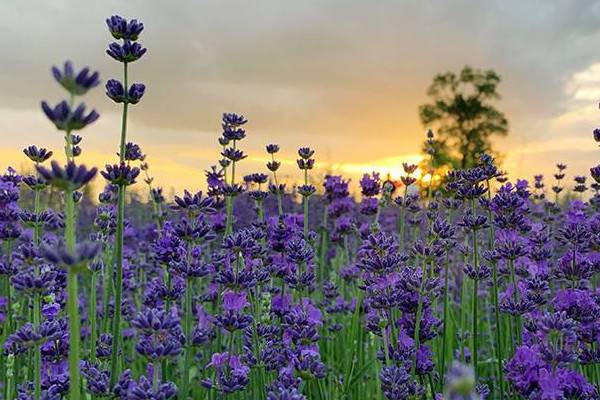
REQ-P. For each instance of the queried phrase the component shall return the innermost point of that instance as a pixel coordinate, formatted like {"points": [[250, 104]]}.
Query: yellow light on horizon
{"points": [[427, 178], [434, 179], [391, 166]]}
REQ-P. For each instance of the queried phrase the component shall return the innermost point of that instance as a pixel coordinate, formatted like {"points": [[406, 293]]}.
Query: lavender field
{"points": [[261, 288]]}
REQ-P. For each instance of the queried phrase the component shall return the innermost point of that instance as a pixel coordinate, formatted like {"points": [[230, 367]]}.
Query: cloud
{"points": [[344, 76]]}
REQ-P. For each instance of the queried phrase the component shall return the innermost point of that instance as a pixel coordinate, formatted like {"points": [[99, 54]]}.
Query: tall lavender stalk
{"points": [[67, 118], [490, 171], [276, 188], [469, 188], [232, 134], [306, 163], [407, 180], [126, 52], [475, 311], [191, 268], [38, 156]]}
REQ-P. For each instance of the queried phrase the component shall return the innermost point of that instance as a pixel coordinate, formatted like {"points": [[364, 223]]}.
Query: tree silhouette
{"points": [[462, 114]]}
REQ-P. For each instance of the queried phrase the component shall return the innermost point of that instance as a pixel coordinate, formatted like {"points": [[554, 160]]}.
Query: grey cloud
{"points": [[317, 71]]}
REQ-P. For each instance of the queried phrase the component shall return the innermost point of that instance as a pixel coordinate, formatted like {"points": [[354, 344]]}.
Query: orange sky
{"points": [[344, 77]]}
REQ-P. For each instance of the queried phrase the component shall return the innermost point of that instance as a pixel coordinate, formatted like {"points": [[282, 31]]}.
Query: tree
{"points": [[463, 116]]}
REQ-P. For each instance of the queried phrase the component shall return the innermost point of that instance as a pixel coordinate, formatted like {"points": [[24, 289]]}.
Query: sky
{"points": [[344, 77]]}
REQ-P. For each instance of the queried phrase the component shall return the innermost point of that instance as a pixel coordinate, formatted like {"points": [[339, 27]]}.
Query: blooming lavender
{"points": [[68, 179], [477, 287], [122, 174]]}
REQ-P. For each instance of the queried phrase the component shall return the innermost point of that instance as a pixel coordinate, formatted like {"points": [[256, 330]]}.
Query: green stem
{"points": [[323, 250], [279, 202], [124, 118], [72, 302], [93, 328], [118, 288], [306, 207], [37, 361], [36, 211], [118, 279], [402, 219], [185, 373], [499, 348], [107, 282], [385, 345], [417, 338], [229, 214], [7, 328], [446, 320], [475, 298], [155, 376], [517, 318], [68, 136], [229, 201], [74, 332]]}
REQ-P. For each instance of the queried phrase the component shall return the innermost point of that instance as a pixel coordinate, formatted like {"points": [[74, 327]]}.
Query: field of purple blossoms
{"points": [[480, 289]]}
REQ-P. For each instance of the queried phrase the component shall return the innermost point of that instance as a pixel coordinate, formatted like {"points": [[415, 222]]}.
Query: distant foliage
{"points": [[463, 115]]}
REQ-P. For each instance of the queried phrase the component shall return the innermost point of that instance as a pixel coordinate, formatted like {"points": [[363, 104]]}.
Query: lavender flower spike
{"points": [[66, 119], [77, 84], [120, 28]]}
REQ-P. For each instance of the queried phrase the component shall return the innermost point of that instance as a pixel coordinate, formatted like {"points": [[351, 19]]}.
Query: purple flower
{"points": [[280, 304], [127, 52], [116, 92], [369, 206], [133, 152], [280, 393], [305, 164], [51, 310], [379, 253], [234, 302], [28, 282], [97, 379], [550, 386], [120, 28], [232, 130], [37, 155], [160, 335], [510, 245], [233, 154], [28, 336], [273, 166], [84, 252], [195, 203], [156, 348], [370, 185], [232, 317], [66, 119], [231, 373], [129, 389], [576, 386], [595, 172], [233, 119], [77, 84], [578, 304], [154, 321], [523, 369], [272, 148], [305, 152], [397, 384], [120, 174]]}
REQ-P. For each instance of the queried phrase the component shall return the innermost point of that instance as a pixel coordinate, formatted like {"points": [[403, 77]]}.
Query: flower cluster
{"points": [[477, 288]]}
